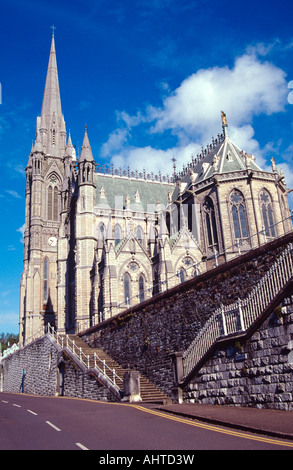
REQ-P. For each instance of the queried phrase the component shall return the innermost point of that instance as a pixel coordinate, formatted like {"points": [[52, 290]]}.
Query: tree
{"points": [[7, 340]]}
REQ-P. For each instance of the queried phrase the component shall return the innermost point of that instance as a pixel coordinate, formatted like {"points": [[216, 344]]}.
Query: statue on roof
{"points": [[224, 122], [224, 118]]}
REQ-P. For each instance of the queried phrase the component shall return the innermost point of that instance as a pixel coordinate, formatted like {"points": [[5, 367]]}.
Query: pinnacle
{"points": [[51, 99]]}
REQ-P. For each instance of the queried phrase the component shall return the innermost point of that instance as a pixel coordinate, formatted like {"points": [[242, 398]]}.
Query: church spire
{"points": [[86, 151], [51, 99], [51, 123]]}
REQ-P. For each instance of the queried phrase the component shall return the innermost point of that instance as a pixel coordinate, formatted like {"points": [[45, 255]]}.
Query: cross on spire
{"points": [[53, 30]]}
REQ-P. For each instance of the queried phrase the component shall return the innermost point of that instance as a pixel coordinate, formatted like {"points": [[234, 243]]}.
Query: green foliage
{"points": [[7, 340]]}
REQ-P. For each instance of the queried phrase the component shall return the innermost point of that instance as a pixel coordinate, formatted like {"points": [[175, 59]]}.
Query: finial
{"points": [[174, 166], [224, 123], [53, 30]]}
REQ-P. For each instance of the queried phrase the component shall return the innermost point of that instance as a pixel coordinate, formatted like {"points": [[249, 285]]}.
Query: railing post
{"points": [[240, 315], [114, 377], [264, 233], [224, 321]]}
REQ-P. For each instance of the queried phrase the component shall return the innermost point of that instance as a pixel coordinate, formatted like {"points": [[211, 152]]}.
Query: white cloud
{"points": [[192, 113], [21, 230], [115, 142], [250, 88], [13, 193], [155, 160]]}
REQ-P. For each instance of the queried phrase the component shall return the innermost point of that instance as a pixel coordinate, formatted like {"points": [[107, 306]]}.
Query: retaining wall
{"points": [[257, 372], [145, 336], [49, 371]]}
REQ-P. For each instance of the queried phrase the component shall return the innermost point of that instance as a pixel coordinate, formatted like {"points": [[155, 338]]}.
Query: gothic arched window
{"points": [[45, 279], [53, 198], [117, 234], [52, 203], [141, 288], [126, 285], [101, 232], [210, 221], [156, 287], [139, 235], [190, 216], [267, 213], [182, 275], [238, 214], [168, 222]]}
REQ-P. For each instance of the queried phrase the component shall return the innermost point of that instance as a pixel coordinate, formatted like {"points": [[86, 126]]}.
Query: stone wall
{"points": [[258, 372], [144, 337], [49, 371], [39, 361]]}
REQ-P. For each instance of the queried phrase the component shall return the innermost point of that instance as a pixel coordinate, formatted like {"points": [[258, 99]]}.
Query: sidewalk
{"points": [[275, 423]]}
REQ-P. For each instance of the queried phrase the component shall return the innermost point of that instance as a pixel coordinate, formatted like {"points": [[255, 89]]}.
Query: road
{"points": [[60, 423]]}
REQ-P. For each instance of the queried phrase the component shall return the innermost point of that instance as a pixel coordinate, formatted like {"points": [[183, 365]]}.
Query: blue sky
{"points": [[149, 78]]}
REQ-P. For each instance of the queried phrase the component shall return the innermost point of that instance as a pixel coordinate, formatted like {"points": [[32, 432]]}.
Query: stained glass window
{"points": [[267, 213], [210, 219], [141, 288], [126, 283], [239, 215]]}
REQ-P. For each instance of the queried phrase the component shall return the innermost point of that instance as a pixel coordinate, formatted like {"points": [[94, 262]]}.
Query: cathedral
{"points": [[99, 241]]}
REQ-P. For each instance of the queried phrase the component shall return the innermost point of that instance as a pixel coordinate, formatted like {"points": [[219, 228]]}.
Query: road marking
{"points": [[81, 446], [32, 412], [18, 406], [53, 426], [215, 428], [4, 401]]}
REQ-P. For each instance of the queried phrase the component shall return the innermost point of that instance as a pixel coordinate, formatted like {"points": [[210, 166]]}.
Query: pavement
{"points": [[277, 423]]}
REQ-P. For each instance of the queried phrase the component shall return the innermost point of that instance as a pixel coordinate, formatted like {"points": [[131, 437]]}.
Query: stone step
{"points": [[149, 392]]}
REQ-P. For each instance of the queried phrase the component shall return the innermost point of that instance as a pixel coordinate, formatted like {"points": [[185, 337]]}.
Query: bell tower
{"points": [[86, 238], [44, 178]]}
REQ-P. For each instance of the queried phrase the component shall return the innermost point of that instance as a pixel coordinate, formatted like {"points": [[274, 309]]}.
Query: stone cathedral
{"points": [[97, 242]]}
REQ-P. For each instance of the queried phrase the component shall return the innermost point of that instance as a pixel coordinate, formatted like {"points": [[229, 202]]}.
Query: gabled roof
{"points": [[226, 157], [181, 237], [140, 195], [223, 156]]}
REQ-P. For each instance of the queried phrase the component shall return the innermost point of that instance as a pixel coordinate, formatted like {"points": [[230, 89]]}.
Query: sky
{"points": [[149, 78]]}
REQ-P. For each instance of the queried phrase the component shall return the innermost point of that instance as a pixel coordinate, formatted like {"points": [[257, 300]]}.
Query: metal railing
{"points": [[90, 362], [239, 316], [17, 346]]}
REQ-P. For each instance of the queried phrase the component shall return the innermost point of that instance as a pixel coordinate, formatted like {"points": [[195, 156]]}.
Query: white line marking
{"points": [[53, 426], [81, 446], [4, 401], [32, 412], [18, 406]]}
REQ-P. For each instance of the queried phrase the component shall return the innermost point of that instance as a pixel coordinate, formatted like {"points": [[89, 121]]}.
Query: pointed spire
{"points": [[51, 99], [70, 150], [51, 123], [86, 151]]}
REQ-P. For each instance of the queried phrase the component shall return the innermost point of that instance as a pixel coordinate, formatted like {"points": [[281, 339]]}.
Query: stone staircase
{"points": [[149, 392]]}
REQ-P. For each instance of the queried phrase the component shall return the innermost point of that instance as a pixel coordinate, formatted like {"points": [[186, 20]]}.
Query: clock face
{"points": [[52, 241]]}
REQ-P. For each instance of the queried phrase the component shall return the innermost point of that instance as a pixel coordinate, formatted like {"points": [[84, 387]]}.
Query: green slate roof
{"points": [[112, 191]]}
